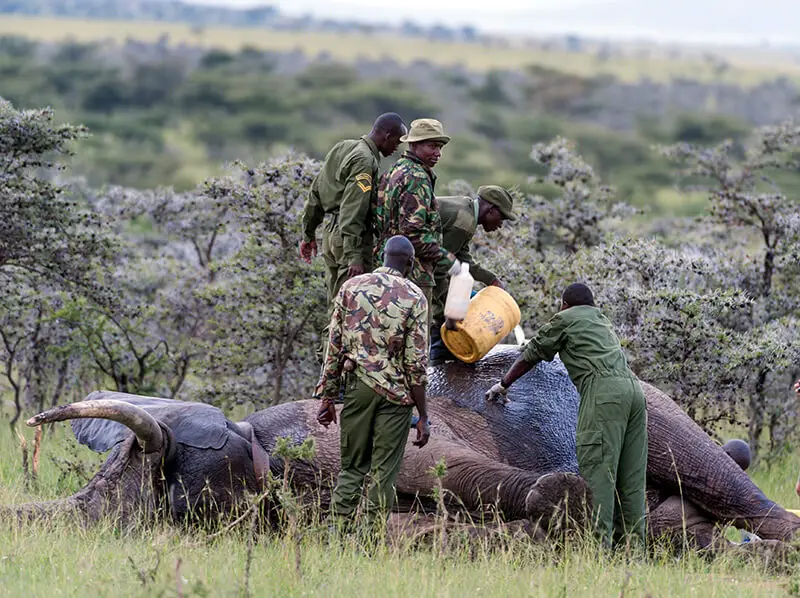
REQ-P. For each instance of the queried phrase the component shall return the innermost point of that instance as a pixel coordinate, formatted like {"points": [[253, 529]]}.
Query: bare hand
{"points": [[308, 250], [355, 270], [451, 324], [497, 283], [423, 432], [797, 387], [327, 413]]}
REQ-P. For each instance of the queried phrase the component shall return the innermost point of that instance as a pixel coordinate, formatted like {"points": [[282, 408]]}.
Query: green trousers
{"points": [[335, 263], [373, 440], [612, 455]]}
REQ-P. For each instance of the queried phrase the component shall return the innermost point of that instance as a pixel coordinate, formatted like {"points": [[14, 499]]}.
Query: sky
{"points": [[737, 22]]}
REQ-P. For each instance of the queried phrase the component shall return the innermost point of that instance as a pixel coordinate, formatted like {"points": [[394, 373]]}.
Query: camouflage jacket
{"points": [[345, 187], [379, 322], [406, 206]]}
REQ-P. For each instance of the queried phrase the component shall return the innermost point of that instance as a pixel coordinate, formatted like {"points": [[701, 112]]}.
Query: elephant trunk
{"points": [[127, 487]]}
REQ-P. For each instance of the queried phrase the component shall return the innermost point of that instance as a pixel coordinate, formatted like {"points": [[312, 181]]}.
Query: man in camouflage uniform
{"points": [[378, 350], [611, 443], [406, 205], [460, 217], [344, 190]]}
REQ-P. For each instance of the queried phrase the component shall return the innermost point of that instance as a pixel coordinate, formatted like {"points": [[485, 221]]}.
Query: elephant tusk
{"points": [[148, 432]]}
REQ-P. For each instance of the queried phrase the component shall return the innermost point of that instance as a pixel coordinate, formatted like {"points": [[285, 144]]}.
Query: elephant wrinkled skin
{"points": [[519, 456]]}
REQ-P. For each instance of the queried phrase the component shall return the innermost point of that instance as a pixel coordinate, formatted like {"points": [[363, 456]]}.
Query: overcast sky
{"points": [[725, 21]]}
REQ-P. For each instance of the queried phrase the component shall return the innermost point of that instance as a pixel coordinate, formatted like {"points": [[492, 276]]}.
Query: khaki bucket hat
{"points": [[497, 196], [425, 129]]}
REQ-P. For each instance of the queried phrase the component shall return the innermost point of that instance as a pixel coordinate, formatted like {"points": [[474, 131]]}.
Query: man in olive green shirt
{"points": [[344, 190], [611, 441], [460, 216]]}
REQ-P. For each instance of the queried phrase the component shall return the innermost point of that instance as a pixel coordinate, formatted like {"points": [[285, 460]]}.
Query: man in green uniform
{"points": [[612, 417], [460, 217], [344, 190], [406, 204], [379, 341]]}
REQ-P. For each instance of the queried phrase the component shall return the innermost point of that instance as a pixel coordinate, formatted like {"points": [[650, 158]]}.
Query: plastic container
{"points": [[491, 316], [458, 294]]}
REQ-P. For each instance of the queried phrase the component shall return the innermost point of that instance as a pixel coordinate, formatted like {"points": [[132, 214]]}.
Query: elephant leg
{"points": [[681, 520], [478, 482]]}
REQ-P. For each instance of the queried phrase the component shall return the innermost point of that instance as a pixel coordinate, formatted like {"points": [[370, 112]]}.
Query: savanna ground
{"points": [[162, 560], [745, 67]]}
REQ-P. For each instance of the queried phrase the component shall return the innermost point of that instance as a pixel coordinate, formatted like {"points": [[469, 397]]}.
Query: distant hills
{"points": [[208, 15]]}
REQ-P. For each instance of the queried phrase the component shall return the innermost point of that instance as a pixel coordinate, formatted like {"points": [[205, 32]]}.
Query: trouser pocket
{"points": [[589, 448]]}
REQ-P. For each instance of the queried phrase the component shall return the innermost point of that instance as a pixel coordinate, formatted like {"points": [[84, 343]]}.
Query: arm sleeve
{"points": [[357, 178], [414, 210], [548, 341], [328, 385], [313, 214], [415, 357], [478, 273]]}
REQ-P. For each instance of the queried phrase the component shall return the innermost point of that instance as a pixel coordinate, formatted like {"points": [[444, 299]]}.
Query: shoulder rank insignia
{"points": [[364, 181]]}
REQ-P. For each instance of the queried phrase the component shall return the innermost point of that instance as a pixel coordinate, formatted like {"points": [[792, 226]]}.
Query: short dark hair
{"points": [[578, 294], [390, 122]]}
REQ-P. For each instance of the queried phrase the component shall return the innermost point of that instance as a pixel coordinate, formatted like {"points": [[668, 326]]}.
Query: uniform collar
{"points": [[372, 147], [388, 270], [413, 158]]}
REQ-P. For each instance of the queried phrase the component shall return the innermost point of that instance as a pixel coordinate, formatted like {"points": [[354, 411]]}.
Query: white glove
{"points": [[455, 268], [497, 392]]}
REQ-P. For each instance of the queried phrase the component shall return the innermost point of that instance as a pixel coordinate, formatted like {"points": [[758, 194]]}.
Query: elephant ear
{"points": [[193, 424]]}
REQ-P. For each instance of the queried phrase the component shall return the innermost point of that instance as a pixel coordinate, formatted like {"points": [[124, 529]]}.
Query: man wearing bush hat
{"points": [[406, 205], [461, 215]]}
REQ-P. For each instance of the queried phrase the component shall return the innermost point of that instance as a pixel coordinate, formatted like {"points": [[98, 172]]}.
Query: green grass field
{"points": [[66, 560], [746, 67]]}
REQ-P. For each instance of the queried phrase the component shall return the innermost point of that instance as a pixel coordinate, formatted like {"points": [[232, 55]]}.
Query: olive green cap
{"points": [[425, 129], [497, 196]]}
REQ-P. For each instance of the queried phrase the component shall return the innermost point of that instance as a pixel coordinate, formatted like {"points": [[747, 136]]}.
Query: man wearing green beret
{"points": [[460, 217], [406, 205]]}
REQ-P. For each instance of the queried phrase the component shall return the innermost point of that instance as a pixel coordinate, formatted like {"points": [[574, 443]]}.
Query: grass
{"points": [[67, 560], [629, 65]]}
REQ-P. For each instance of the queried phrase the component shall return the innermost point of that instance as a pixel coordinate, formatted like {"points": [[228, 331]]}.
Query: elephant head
{"points": [[185, 459]]}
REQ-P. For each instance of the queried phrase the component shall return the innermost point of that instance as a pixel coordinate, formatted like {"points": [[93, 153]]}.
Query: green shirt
{"points": [[344, 187], [459, 222], [586, 343]]}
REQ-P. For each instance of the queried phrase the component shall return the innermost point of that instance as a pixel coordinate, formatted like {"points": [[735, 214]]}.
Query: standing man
{"points": [[407, 206], [460, 219], [379, 342], [344, 189], [612, 417]]}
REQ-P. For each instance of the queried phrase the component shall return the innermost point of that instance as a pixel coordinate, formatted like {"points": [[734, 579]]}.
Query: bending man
{"points": [[612, 416]]}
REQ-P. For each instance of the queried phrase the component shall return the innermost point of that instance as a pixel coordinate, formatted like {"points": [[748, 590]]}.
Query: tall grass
{"points": [[65, 559]]}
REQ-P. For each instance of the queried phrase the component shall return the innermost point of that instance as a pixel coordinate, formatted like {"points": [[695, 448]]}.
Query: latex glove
{"points": [[455, 268], [327, 413], [497, 392], [308, 250]]}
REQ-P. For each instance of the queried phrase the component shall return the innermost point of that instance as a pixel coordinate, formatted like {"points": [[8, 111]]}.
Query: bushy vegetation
{"points": [[167, 116]]}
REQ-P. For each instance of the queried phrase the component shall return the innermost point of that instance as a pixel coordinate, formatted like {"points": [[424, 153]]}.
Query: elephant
{"points": [[187, 460]]}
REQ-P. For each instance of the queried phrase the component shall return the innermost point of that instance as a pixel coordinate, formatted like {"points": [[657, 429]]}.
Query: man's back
{"points": [[383, 317], [459, 215]]}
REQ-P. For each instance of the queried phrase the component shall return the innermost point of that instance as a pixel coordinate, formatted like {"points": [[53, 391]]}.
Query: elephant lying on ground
{"points": [[188, 458]]}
